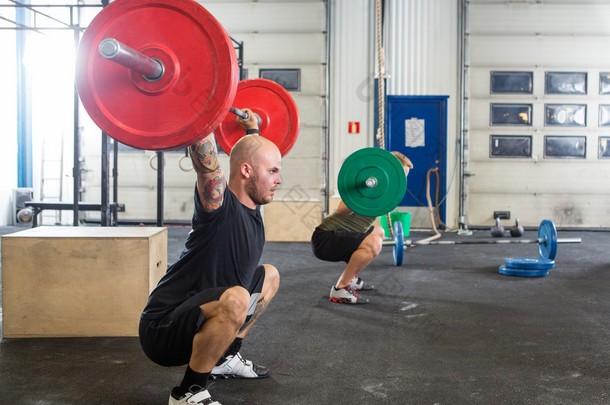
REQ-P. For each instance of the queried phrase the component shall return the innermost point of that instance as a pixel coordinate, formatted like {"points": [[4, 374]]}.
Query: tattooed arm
{"points": [[211, 182]]}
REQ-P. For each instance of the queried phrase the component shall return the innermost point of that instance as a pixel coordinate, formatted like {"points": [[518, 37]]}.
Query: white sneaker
{"points": [[346, 295], [238, 367], [358, 284], [195, 395]]}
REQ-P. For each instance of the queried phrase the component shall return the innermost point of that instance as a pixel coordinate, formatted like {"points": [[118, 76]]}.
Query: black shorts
{"points": [[336, 246], [169, 341]]}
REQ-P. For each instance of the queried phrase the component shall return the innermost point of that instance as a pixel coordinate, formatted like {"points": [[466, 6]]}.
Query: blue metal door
{"points": [[417, 127]]}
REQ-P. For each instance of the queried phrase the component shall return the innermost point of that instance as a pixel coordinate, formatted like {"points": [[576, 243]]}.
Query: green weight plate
{"points": [[547, 247], [507, 271], [398, 250], [386, 180]]}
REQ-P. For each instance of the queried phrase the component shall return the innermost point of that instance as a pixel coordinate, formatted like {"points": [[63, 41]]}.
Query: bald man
{"points": [[209, 299]]}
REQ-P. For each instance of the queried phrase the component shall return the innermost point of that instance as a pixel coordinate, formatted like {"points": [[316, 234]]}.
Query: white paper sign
{"points": [[415, 132]]}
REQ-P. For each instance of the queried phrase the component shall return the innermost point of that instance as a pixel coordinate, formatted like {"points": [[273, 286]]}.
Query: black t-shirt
{"points": [[223, 249]]}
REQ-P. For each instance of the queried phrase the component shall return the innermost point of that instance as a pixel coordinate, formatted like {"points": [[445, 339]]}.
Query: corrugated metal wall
{"points": [[352, 78], [421, 54], [539, 37], [421, 47]]}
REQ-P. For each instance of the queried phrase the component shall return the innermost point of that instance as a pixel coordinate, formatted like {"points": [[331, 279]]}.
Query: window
{"points": [[290, 79], [565, 83], [511, 114], [510, 146], [565, 146], [604, 147], [565, 115], [604, 83], [511, 82]]}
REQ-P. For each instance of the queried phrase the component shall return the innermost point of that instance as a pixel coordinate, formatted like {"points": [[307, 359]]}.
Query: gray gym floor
{"points": [[444, 328]]}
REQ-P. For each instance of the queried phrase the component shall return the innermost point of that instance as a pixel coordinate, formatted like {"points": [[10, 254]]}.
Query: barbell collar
{"points": [[150, 68], [371, 182]]}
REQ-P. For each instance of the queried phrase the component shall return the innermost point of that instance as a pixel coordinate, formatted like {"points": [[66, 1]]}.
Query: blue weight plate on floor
{"points": [[529, 263], [398, 250], [548, 233], [507, 271]]}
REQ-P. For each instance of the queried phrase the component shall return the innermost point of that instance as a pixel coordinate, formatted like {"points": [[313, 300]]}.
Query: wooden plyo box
{"points": [[79, 281]]}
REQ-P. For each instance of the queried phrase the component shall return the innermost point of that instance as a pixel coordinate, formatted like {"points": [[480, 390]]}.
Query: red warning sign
{"points": [[353, 127]]}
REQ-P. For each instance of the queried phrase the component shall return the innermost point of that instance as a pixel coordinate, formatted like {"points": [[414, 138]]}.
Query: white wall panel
{"points": [[565, 52], [531, 177], [247, 17], [538, 37], [309, 144], [286, 48], [304, 175], [311, 110], [564, 210], [548, 18]]}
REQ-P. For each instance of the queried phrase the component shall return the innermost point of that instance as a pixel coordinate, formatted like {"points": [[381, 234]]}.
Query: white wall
{"points": [[52, 104], [8, 126], [538, 37]]}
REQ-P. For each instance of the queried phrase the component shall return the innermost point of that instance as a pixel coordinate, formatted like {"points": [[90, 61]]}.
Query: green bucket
{"points": [[404, 217]]}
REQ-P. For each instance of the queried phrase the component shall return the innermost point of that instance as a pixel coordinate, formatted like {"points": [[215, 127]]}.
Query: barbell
{"points": [[372, 182], [163, 74], [547, 241]]}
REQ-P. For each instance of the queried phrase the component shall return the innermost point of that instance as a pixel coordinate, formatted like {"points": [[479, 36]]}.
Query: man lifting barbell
{"points": [[163, 74], [350, 237], [209, 299]]}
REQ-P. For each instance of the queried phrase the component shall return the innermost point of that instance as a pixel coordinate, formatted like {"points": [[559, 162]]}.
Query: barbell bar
{"points": [[547, 241], [151, 69], [111, 49], [275, 108]]}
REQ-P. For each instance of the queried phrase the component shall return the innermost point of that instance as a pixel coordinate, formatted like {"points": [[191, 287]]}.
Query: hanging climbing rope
{"points": [[380, 136]]}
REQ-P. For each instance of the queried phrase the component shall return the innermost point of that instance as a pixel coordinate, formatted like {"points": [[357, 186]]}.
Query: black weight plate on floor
{"points": [[529, 263], [522, 272]]}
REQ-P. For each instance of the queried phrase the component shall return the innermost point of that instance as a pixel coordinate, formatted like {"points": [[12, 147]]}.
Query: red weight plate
{"points": [[275, 106], [187, 103]]}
